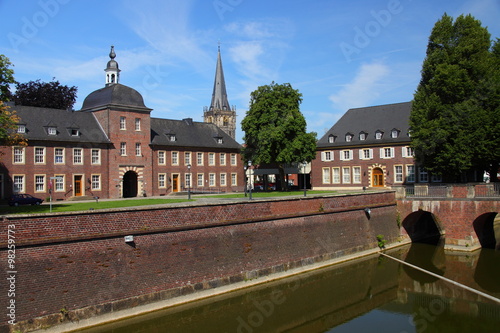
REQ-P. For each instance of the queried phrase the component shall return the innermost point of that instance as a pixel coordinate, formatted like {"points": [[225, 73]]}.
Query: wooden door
{"points": [[78, 186], [175, 183], [377, 178]]}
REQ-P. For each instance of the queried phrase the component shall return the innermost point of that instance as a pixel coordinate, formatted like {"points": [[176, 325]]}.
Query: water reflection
{"points": [[374, 294]]}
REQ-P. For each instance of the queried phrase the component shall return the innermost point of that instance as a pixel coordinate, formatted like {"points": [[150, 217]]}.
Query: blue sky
{"points": [[338, 54]]}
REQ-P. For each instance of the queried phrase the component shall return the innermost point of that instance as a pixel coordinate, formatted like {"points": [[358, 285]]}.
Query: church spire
{"points": [[220, 112], [112, 70]]}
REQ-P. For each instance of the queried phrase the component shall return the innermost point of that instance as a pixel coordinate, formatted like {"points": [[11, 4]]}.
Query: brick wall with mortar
{"points": [[81, 263], [455, 216]]}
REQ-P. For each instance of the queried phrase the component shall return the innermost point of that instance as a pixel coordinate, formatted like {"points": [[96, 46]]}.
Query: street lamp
{"points": [[250, 180], [304, 164], [189, 181]]}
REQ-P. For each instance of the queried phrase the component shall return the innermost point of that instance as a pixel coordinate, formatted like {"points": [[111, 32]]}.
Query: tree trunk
{"points": [[281, 170]]}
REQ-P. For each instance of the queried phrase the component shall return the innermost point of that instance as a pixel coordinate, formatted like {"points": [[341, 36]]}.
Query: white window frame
{"points": [[211, 159], [123, 123], [199, 158], [346, 175], [61, 156], [327, 156], [95, 181], [52, 131], [161, 157], [95, 156], [137, 124], [187, 157], [123, 149], [200, 179], [398, 173], [222, 159], [346, 155], [211, 179], [410, 173], [387, 152], [407, 152], [366, 154], [325, 176], [39, 158], [18, 183], [175, 158], [356, 175], [234, 179], [39, 182], [138, 150], [78, 158], [162, 180], [234, 160], [21, 129], [59, 183], [336, 175], [18, 155], [223, 179]]}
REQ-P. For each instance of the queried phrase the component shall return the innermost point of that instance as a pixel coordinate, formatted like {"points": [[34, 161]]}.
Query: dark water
{"points": [[373, 294]]}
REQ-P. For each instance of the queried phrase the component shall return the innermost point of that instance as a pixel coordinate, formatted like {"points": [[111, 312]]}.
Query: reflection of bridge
{"points": [[465, 214]]}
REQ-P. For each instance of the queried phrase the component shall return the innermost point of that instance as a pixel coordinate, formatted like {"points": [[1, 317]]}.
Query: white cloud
{"points": [[365, 88]]}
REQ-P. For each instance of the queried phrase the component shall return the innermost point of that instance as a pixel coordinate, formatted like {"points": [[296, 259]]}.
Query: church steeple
{"points": [[220, 112], [112, 70]]}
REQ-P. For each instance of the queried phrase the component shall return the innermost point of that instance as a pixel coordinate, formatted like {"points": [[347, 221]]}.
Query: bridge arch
{"points": [[423, 227], [487, 228]]}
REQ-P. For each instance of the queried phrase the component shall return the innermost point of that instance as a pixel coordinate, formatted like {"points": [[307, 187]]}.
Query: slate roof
{"points": [[369, 120], [37, 120], [115, 95], [189, 133]]}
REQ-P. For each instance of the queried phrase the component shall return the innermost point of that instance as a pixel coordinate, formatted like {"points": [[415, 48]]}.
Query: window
{"points": [[137, 124], [200, 179], [123, 149], [423, 176], [331, 138], [326, 156], [348, 137], [387, 152], [219, 140], [52, 131], [187, 157], [223, 181], [39, 183], [175, 158], [326, 176], [199, 158], [346, 155], [211, 158], [222, 159], [187, 179], [59, 183], [436, 178], [211, 179], [234, 161], [39, 155], [96, 182], [346, 175], [18, 183], [362, 136], [336, 175], [96, 156], [77, 156], [410, 173], [21, 129], [394, 133], [18, 155], [234, 179], [161, 157], [407, 151], [58, 155], [171, 137], [379, 135], [138, 149], [366, 154], [74, 131], [123, 123], [356, 175], [398, 173], [161, 180]]}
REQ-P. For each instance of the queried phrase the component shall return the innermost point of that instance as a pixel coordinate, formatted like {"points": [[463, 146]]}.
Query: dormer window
{"points": [[362, 136], [379, 135], [74, 132], [219, 140], [331, 138], [348, 137], [52, 131], [21, 128], [172, 137], [394, 133]]}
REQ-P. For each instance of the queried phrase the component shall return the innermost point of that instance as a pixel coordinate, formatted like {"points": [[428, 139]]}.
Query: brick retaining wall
{"points": [[80, 262]]}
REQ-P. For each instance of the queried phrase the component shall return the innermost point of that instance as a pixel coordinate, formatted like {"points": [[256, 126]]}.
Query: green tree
{"points": [[6, 78], [275, 129], [451, 124], [45, 94]]}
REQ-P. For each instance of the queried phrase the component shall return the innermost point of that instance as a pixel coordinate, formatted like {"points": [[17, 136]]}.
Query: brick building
{"points": [[113, 148], [368, 147]]}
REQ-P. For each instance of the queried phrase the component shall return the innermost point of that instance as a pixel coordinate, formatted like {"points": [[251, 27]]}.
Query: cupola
{"points": [[112, 70]]}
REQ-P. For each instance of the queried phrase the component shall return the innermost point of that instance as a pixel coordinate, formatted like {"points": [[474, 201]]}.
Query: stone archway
{"points": [[487, 228], [130, 184], [423, 227]]}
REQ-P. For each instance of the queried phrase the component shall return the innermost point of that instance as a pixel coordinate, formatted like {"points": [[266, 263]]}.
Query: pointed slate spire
{"points": [[219, 94]]}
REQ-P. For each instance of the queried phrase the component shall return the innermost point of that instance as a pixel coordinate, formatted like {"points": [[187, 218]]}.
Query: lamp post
{"points": [[246, 180], [304, 164], [250, 180], [189, 181]]}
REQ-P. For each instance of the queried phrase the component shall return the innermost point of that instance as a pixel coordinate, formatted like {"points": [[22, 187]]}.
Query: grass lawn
{"points": [[81, 206], [266, 194]]}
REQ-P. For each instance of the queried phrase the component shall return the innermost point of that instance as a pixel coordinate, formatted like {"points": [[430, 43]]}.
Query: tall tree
{"points": [[45, 94], [275, 129], [451, 116], [6, 78]]}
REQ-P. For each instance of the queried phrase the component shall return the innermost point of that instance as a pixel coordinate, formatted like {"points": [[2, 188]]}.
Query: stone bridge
{"points": [[465, 214]]}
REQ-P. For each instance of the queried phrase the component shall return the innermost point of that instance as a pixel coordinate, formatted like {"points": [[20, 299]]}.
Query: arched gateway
{"points": [[130, 184]]}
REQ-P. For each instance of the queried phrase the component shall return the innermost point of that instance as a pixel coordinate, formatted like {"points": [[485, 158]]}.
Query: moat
{"points": [[374, 293]]}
